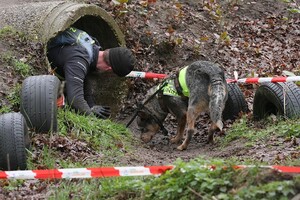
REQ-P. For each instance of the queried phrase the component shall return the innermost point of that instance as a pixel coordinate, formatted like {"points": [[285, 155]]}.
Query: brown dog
{"points": [[199, 87]]}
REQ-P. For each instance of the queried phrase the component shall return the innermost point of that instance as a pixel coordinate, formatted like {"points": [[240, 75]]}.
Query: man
{"points": [[73, 54]]}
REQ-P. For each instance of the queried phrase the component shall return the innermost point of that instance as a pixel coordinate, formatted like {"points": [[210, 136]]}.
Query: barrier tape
{"points": [[283, 169], [269, 79], [147, 75], [150, 75], [84, 172], [70, 173]]}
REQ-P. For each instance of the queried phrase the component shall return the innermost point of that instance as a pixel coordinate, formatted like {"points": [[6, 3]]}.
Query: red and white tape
{"points": [[70, 173], [84, 172], [149, 75], [283, 169], [269, 79]]}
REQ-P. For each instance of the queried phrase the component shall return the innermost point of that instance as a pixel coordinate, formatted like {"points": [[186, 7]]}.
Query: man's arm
{"points": [[76, 70], [88, 91]]}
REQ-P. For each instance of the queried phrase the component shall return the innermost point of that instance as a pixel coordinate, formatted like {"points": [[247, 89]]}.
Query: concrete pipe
{"points": [[41, 21]]}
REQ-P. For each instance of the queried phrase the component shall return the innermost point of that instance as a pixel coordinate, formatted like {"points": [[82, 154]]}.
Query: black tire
{"points": [[38, 102], [235, 103], [269, 99], [13, 141]]}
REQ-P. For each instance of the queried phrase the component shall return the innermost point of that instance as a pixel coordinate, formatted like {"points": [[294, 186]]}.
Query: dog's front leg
{"points": [[212, 129], [211, 132], [180, 130], [190, 118]]}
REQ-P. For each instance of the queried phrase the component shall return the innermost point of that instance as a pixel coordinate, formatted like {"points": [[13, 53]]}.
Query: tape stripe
{"points": [[104, 172], [48, 173], [150, 75], [287, 169], [69, 173], [133, 171]]}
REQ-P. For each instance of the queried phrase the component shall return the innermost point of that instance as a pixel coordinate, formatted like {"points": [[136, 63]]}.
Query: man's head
{"points": [[120, 59]]}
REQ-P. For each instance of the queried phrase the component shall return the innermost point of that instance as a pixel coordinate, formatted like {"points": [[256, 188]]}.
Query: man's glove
{"points": [[102, 112]]}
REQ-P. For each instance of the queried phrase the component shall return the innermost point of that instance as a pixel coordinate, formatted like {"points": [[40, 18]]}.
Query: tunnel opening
{"points": [[99, 29], [42, 21]]}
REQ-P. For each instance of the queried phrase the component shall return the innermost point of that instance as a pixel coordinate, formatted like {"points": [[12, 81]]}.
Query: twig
{"points": [[196, 193]]}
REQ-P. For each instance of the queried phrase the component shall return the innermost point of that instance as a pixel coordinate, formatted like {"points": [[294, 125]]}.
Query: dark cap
{"points": [[121, 60]]}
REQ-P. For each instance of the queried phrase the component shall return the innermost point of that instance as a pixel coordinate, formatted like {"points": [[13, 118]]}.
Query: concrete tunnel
{"points": [[41, 21]]}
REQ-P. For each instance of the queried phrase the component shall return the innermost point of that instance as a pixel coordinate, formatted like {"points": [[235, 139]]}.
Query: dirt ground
{"points": [[249, 37], [252, 26]]}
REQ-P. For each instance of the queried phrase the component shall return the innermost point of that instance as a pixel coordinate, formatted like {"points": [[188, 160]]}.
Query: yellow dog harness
{"points": [[171, 90]]}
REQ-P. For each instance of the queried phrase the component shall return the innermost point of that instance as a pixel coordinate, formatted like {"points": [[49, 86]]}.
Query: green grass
{"points": [[20, 67], [13, 37], [14, 96], [261, 131], [105, 136], [6, 31], [105, 188], [5, 109], [13, 99], [109, 139], [189, 180], [193, 180], [102, 135]]}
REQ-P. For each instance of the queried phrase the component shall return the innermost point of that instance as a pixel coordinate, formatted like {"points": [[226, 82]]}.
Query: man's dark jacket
{"points": [[73, 61]]}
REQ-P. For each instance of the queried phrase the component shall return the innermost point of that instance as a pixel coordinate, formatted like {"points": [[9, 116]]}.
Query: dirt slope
{"points": [[251, 37], [248, 37]]}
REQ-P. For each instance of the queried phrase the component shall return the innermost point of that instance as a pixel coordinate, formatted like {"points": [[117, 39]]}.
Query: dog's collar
{"points": [[182, 82], [170, 88]]}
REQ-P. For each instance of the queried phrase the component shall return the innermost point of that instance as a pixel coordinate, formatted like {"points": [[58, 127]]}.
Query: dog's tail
{"points": [[218, 98]]}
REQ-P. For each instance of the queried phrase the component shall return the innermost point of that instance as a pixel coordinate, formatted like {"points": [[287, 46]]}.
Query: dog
{"points": [[198, 87]]}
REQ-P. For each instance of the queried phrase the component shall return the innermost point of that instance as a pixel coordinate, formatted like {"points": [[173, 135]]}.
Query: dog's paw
{"points": [[181, 147]]}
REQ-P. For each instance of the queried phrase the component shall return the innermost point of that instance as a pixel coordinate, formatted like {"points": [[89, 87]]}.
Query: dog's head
{"points": [[150, 115], [147, 125]]}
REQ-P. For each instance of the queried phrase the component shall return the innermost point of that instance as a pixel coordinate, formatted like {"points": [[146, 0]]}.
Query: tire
{"points": [[13, 141], [278, 99], [38, 102], [235, 103]]}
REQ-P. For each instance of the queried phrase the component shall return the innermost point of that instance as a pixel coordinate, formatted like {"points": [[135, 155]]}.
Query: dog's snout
{"points": [[147, 137]]}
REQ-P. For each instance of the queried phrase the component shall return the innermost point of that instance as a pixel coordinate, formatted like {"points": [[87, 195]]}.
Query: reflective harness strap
{"points": [[182, 82], [177, 85], [142, 106]]}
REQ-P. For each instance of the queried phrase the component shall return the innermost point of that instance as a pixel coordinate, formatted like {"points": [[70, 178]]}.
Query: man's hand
{"points": [[102, 112]]}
